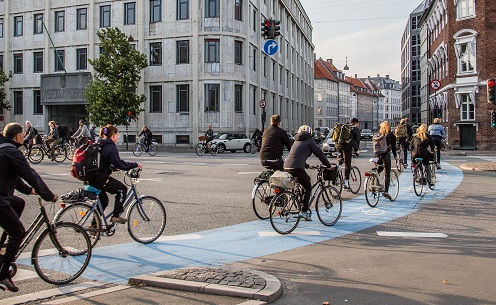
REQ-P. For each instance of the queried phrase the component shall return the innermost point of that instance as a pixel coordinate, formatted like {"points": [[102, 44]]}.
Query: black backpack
{"points": [[86, 161]]}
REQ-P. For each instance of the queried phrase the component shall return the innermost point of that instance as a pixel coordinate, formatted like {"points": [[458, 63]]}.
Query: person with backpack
{"points": [[345, 140], [384, 144], [355, 136], [401, 133], [111, 161], [436, 131], [15, 174]]}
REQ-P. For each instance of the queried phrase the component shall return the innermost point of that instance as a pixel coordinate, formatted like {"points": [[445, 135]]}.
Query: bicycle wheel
{"points": [[262, 195], [372, 190], [418, 178], [61, 266], [338, 182], [432, 178], [138, 150], [253, 148], [35, 155], [199, 149], [284, 212], [78, 213], [213, 149], [394, 186], [146, 221], [60, 154], [355, 180], [329, 205], [400, 165], [24, 150], [152, 149]]}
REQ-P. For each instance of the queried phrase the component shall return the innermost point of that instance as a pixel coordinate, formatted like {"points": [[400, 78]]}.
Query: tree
{"points": [[3, 103], [111, 93]]}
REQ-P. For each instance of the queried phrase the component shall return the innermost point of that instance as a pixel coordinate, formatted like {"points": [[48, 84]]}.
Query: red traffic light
{"points": [[129, 113], [490, 83]]}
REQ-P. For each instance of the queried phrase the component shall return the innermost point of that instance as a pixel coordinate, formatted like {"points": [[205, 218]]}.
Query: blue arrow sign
{"points": [[270, 47]]}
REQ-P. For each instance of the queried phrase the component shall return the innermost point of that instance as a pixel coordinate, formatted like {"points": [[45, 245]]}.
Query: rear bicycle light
{"points": [[277, 190], [62, 205], [367, 174]]}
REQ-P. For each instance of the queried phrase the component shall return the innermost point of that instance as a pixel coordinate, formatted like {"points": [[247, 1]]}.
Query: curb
{"points": [[482, 167], [269, 293]]}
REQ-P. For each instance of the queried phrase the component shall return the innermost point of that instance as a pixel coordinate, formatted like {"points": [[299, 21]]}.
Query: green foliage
{"points": [[3, 103], [111, 93]]}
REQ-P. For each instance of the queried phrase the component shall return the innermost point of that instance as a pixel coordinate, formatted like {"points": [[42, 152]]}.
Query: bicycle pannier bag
{"points": [[86, 161], [282, 180], [380, 144], [330, 174], [341, 133], [400, 131]]}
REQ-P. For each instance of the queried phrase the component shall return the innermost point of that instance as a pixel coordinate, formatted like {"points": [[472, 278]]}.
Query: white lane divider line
{"points": [[411, 234], [87, 295], [23, 274], [303, 233], [179, 237], [249, 173]]}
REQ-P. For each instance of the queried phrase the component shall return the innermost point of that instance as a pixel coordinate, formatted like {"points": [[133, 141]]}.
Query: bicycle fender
{"points": [[253, 192]]}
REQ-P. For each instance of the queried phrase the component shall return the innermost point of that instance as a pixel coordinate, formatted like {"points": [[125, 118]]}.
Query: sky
{"points": [[367, 32]]}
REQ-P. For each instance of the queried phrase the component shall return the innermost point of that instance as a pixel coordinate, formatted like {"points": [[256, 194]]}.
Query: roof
{"points": [[320, 72]]}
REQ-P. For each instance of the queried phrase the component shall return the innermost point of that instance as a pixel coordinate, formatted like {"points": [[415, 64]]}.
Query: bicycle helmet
{"points": [[305, 128]]}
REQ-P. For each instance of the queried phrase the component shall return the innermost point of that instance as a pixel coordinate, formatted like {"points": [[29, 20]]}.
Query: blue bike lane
{"points": [[116, 264]]}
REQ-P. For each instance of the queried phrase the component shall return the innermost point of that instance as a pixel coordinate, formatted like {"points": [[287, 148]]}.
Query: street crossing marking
{"points": [[410, 234], [87, 295], [296, 232], [179, 237], [23, 274]]}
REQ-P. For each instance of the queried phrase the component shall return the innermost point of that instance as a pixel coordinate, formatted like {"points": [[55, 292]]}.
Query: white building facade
{"points": [[207, 64]]}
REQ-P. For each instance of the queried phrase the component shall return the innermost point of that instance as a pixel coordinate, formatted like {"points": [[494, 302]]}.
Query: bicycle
{"points": [[140, 147], [37, 153], [285, 207], [61, 252], [71, 145], [355, 179], [203, 147], [146, 214], [374, 187], [253, 147], [421, 177], [262, 194], [400, 162]]}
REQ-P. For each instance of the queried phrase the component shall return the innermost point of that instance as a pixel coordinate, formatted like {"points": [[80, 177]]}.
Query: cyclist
{"points": [[53, 137], [110, 161], [295, 164], [31, 134], [345, 150], [419, 146], [274, 140], [436, 131], [256, 137], [14, 170], [147, 134], [402, 135], [385, 157], [355, 136], [82, 134], [63, 132]]}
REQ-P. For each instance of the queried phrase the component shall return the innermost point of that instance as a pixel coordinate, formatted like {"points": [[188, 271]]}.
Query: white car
{"points": [[328, 146], [231, 142]]}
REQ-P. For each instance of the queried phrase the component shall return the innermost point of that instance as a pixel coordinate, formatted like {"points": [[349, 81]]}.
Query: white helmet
{"points": [[305, 128]]}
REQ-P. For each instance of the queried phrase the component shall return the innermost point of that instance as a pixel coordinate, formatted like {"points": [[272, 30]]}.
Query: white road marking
{"points": [[410, 234], [248, 173], [151, 179], [180, 237], [87, 295], [304, 233], [237, 164], [23, 274]]}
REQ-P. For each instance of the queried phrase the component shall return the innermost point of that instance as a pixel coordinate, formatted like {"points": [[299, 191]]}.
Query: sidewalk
{"points": [[477, 166]]}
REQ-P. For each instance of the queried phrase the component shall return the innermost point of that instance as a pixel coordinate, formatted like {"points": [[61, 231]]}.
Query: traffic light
{"points": [[275, 25], [493, 119], [266, 29], [491, 96], [439, 113]]}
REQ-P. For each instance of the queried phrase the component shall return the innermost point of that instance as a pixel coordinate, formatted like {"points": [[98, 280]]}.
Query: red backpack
{"points": [[86, 161]]}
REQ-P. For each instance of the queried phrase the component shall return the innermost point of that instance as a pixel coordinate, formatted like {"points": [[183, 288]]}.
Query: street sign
{"points": [[271, 47], [262, 104], [435, 84]]}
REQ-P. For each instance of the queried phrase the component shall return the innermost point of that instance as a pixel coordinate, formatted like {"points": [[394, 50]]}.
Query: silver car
{"points": [[328, 146]]}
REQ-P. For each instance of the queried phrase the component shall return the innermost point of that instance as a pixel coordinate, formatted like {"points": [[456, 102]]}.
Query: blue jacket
{"points": [[436, 129]]}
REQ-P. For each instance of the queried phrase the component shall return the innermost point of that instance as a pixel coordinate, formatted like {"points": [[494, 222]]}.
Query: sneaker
{"points": [[438, 167], [386, 195], [306, 215], [119, 219], [8, 284], [346, 184]]}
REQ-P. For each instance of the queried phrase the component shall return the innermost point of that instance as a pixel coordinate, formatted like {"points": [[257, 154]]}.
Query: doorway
{"points": [[67, 115]]}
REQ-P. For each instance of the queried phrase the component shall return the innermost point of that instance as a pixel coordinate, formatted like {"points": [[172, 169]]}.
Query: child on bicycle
{"points": [[295, 164], [111, 161]]}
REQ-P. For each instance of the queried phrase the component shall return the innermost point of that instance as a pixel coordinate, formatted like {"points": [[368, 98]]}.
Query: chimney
{"points": [[387, 76], [356, 76], [329, 60], [378, 75]]}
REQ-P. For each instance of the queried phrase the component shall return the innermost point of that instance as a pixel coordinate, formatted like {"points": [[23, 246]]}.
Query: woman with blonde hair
{"points": [[421, 141], [384, 153]]}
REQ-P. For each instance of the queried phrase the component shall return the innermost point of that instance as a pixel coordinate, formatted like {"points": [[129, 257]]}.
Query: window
{"points": [[182, 9], [466, 61], [466, 51], [254, 60], [212, 8], [38, 62], [1, 27], [465, 9], [238, 98], [105, 16], [18, 63], [1, 62], [264, 68], [82, 57], [38, 24], [182, 56], [18, 26], [37, 107], [155, 98], [238, 52], [130, 13], [238, 10], [59, 21], [155, 11], [467, 107], [59, 60], [212, 97], [155, 54], [182, 97], [17, 102], [212, 51], [82, 14]]}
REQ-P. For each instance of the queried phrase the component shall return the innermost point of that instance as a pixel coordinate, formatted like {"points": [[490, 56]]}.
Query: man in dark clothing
{"points": [[355, 136], [14, 170], [273, 141], [147, 134], [257, 138], [345, 150], [63, 132]]}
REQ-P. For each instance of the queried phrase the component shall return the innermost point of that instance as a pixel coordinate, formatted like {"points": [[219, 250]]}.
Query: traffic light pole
{"points": [[127, 134]]}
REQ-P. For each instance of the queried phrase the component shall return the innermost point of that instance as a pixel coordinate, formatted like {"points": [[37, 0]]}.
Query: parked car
{"points": [[366, 134], [324, 130], [231, 142], [328, 146]]}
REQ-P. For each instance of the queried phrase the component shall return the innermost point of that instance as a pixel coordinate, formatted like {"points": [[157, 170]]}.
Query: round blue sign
{"points": [[270, 47]]}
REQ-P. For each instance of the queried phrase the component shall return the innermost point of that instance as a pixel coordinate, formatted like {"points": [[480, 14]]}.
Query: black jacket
{"points": [[110, 160], [420, 149], [355, 138], [273, 141], [303, 148], [14, 170], [147, 133]]}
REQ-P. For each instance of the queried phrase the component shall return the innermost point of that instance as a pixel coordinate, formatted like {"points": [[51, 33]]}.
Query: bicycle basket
{"points": [[330, 174], [282, 180], [202, 138]]}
